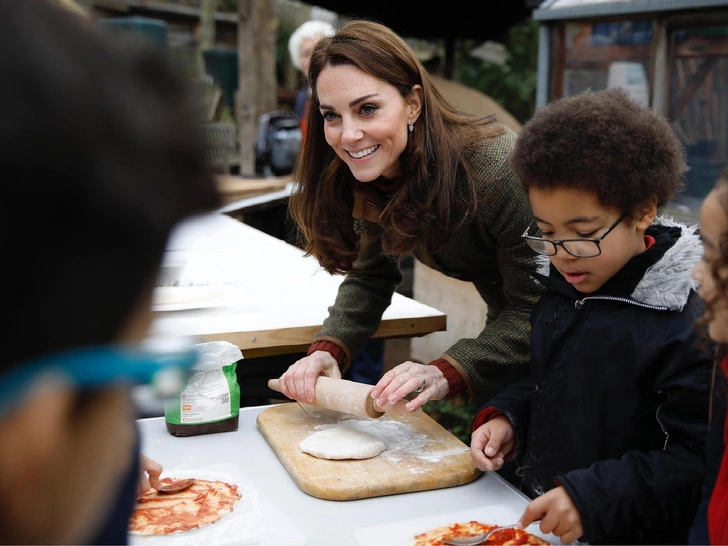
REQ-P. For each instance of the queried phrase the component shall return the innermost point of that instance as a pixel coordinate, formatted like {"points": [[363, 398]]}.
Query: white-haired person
{"points": [[300, 47]]}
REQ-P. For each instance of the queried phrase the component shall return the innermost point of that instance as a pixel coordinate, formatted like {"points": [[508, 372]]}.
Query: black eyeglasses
{"points": [[579, 248]]}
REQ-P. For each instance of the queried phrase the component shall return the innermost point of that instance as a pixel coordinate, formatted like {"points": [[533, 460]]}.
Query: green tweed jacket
{"points": [[487, 251]]}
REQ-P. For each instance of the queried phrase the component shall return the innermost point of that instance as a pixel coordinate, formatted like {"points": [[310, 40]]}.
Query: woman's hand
{"points": [[299, 380], [427, 381], [149, 472]]}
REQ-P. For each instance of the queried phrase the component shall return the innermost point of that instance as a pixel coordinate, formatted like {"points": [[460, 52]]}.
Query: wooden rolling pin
{"points": [[342, 395]]}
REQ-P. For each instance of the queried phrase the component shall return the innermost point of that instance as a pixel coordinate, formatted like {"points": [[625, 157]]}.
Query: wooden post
{"points": [[246, 87], [264, 42], [257, 31], [206, 32]]}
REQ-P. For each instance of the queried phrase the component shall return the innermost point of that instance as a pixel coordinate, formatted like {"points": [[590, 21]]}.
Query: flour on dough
{"points": [[342, 443]]}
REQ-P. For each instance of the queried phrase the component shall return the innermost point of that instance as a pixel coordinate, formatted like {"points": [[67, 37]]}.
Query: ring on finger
{"points": [[422, 385]]}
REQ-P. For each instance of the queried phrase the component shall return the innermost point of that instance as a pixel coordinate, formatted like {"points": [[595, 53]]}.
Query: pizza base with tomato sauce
{"points": [[203, 503], [506, 536]]}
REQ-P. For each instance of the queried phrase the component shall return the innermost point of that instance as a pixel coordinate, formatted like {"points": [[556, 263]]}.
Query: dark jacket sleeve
{"points": [[514, 404], [656, 491], [713, 456]]}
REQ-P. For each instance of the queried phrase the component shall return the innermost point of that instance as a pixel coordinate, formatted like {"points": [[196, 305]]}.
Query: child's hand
{"points": [[557, 513], [149, 471], [491, 442]]}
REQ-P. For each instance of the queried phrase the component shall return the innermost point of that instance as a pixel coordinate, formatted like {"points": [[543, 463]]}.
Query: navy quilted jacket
{"points": [[615, 409]]}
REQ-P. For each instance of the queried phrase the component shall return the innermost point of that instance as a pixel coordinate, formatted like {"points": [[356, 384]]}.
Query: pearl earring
{"points": [[411, 127]]}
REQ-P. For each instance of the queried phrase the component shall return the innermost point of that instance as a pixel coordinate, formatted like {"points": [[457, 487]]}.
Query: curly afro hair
{"points": [[604, 142]]}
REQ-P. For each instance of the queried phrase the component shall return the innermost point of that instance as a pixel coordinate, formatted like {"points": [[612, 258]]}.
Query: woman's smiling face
{"points": [[366, 120]]}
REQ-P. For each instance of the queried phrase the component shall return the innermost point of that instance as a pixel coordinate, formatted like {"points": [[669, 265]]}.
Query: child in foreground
{"points": [[609, 430], [711, 523], [102, 157]]}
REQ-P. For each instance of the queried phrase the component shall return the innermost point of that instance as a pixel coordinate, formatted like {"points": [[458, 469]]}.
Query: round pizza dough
{"points": [[342, 443]]}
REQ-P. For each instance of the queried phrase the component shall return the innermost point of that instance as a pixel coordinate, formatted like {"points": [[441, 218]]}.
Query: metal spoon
{"points": [[473, 540], [168, 485]]}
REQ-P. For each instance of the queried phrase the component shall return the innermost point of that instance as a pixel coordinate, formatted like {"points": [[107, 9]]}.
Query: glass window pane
{"points": [[598, 55], [697, 107]]}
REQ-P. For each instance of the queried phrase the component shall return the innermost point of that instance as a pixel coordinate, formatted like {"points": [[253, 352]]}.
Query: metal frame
{"points": [[596, 8]]}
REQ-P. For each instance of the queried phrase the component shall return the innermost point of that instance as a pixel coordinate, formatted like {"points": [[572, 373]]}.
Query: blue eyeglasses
{"points": [[160, 362], [579, 248]]}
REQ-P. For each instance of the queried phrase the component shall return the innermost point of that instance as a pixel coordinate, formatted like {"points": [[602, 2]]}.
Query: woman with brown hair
{"points": [[389, 169]]}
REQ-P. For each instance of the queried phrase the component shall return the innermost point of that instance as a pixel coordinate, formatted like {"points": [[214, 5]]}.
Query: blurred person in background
{"points": [[389, 169], [300, 47], [101, 158]]}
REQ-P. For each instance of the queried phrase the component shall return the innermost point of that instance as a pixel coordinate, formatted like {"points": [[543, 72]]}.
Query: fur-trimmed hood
{"points": [[669, 281]]}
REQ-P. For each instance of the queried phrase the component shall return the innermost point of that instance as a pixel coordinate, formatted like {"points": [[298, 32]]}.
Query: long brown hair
{"points": [[435, 194]]}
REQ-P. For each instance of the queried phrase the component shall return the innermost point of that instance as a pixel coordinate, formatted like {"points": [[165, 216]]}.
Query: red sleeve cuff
{"points": [[333, 349], [483, 416], [455, 381]]}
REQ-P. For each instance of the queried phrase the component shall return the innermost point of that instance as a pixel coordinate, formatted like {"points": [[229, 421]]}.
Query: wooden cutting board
{"points": [[420, 454]]}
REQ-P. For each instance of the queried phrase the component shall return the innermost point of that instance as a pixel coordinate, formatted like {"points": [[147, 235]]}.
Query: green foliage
{"points": [[512, 85], [226, 114], [455, 415]]}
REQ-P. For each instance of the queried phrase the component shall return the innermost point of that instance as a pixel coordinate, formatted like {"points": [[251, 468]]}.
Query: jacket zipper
{"points": [[578, 304]]}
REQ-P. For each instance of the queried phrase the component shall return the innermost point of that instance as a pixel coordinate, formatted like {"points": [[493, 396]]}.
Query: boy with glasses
{"points": [[609, 430]]}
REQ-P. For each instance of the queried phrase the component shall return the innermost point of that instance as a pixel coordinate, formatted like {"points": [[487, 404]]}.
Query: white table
{"points": [[275, 297], [239, 206], [286, 515]]}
